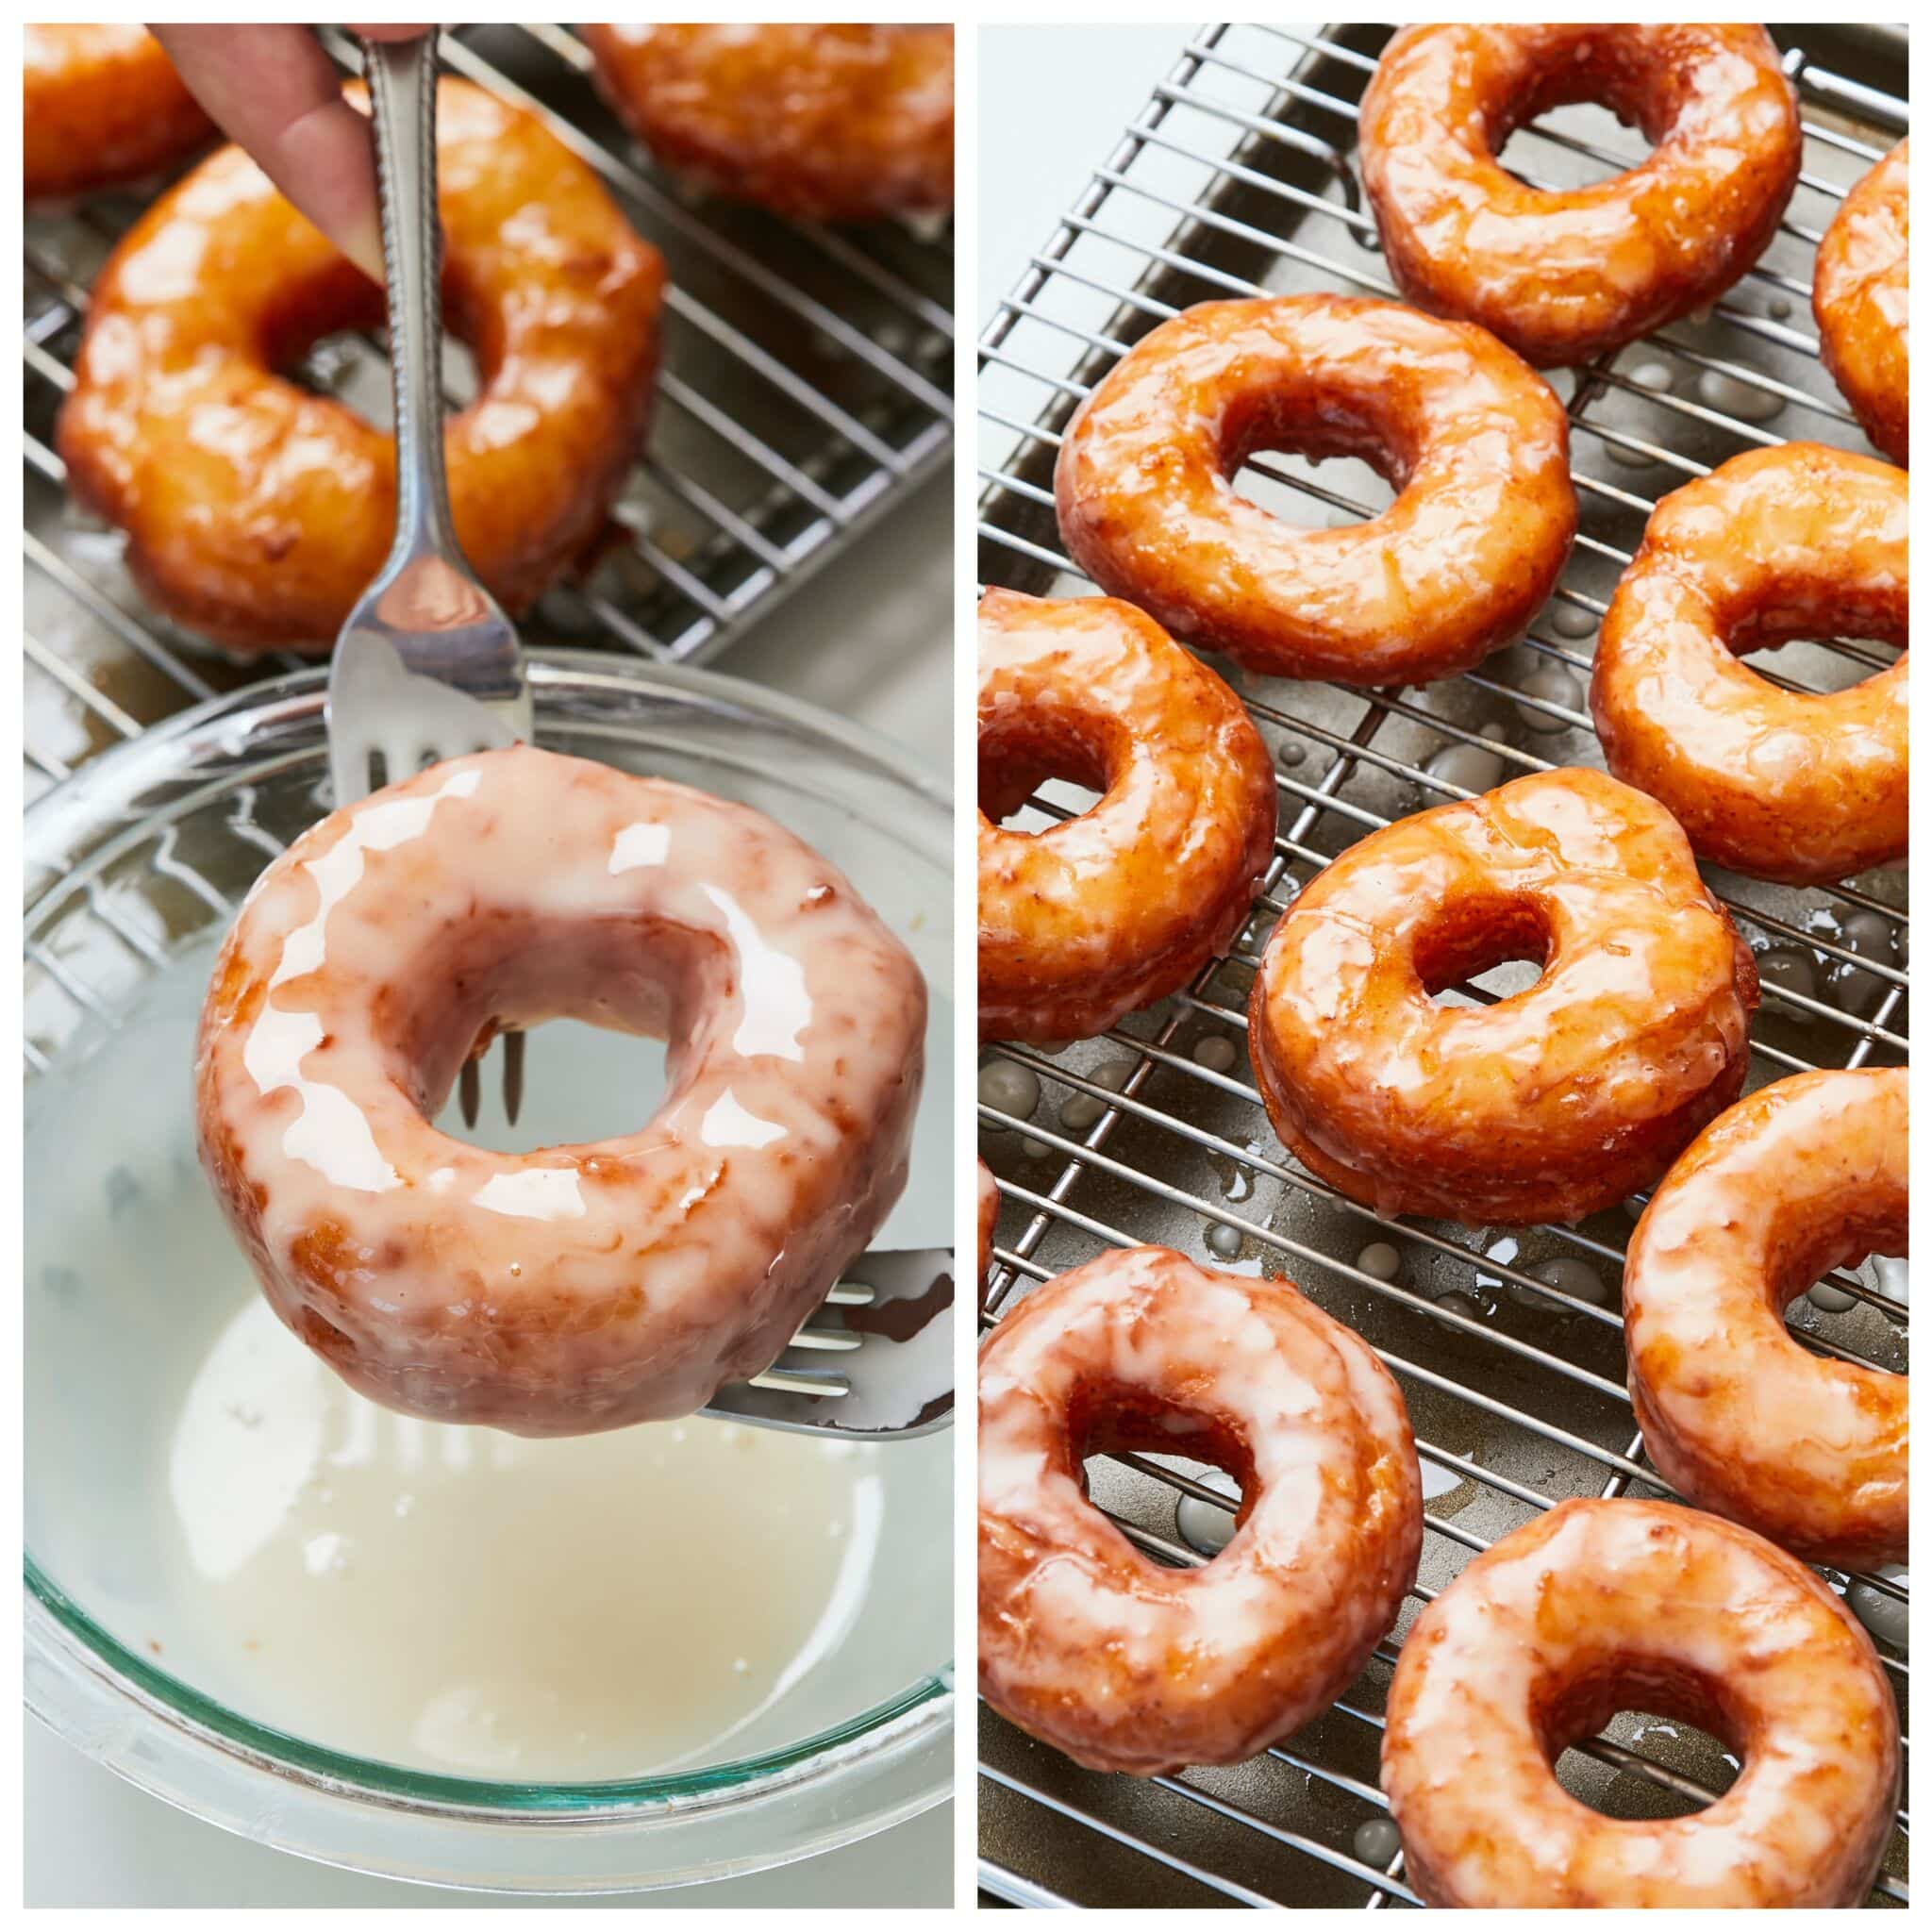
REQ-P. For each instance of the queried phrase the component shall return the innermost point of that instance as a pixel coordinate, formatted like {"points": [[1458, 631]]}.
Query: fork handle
{"points": [[402, 95]]}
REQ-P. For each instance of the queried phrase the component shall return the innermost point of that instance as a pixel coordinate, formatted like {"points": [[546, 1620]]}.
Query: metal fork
{"points": [[427, 667]]}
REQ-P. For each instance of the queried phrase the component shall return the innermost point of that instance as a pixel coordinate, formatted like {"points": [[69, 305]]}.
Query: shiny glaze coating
{"points": [[839, 123], [103, 104], [1797, 542], [256, 512], [1861, 297], [1550, 1104], [1606, 1606], [1455, 568], [1126, 1664], [1563, 278], [1802, 1176], [1106, 913], [574, 1287], [989, 1218]]}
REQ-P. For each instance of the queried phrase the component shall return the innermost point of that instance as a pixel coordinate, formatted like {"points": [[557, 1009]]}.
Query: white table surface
{"points": [[870, 638]]}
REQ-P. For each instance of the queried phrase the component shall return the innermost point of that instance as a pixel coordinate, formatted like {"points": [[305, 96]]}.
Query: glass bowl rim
{"points": [[923, 1705]]}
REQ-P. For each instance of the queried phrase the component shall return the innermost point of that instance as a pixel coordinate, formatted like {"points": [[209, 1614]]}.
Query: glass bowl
{"points": [[134, 867]]}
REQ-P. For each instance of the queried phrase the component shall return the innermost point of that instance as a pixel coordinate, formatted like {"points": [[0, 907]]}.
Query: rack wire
{"points": [[1236, 178], [806, 389]]}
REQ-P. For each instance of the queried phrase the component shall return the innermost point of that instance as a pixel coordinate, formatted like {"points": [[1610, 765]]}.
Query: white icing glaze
{"points": [[1620, 1602], [579, 1287]]}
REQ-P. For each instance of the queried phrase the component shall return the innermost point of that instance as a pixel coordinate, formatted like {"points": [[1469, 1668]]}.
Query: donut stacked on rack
{"points": [[1623, 1066]]}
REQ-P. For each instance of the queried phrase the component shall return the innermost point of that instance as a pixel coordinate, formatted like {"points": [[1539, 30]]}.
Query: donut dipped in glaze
{"points": [[101, 106], [1605, 1605], [838, 123], [1553, 1103], [574, 1288], [1472, 439], [1563, 276], [1797, 542], [1125, 1664], [1802, 1176], [256, 512], [1106, 913], [1861, 300]]}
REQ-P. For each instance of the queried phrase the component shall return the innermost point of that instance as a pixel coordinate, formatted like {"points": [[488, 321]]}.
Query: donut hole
{"points": [[613, 1008], [1661, 1710], [1056, 752], [1839, 1236], [1115, 1419], [1331, 470], [1828, 636], [1499, 946], [333, 342]]}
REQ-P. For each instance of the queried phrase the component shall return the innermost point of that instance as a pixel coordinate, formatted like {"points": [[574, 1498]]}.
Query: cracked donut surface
{"points": [[256, 512], [1552, 1103], [1126, 1664], [1602, 1606], [1472, 441], [1562, 276]]}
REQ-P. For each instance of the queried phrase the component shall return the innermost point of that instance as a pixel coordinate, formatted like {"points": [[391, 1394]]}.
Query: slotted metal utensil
{"points": [[427, 666]]}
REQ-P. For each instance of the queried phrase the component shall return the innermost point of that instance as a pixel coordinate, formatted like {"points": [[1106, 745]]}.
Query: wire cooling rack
{"points": [[805, 388], [1238, 177]]}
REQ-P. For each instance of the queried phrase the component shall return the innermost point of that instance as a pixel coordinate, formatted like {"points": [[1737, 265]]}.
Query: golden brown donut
{"points": [[1606, 1606], [1453, 569], [1802, 1176], [256, 512], [103, 104], [1861, 297], [836, 123], [989, 1218], [571, 1288], [1109, 911], [1797, 542], [1562, 278], [1548, 1105], [1125, 1664]]}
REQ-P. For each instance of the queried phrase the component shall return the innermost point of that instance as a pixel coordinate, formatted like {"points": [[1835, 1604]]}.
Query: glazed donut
{"points": [[256, 512], [1805, 1175], [103, 104], [1455, 568], [1125, 1664], [1797, 542], [1553, 1103], [989, 1218], [575, 1288], [1600, 1606], [1861, 297], [1563, 278], [1109, 911], [836, 123]]}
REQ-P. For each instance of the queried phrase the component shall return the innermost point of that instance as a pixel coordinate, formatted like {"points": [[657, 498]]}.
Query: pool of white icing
{"points": [[454, 1600]]}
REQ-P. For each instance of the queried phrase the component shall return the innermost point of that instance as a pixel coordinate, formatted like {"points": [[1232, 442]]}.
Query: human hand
{"points": [[274, 91]]}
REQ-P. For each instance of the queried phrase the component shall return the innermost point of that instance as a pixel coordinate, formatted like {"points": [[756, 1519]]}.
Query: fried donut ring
{"points": [[1805, 1175], [1800, 541], [834, 124], [575, 1288], [1861, 297], [989, 1218], [1553, 1103], [1125, 1664], [256, 512], [1606, 1606], [1562, 278], [1453, 569], [103, 104], [1109, 911]]}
